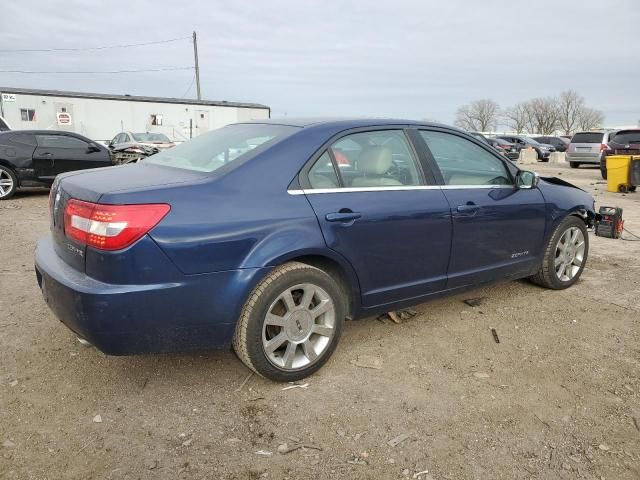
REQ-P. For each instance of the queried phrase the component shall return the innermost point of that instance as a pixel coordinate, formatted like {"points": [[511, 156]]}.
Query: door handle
{"points": [[468, 210], [344, 217]]}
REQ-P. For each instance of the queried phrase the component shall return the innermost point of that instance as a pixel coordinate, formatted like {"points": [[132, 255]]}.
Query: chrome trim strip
{"points": [[461, 187], [392, 189]]}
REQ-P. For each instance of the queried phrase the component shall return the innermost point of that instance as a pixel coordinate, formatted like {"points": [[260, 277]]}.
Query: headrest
{"points": [[375, 160]]}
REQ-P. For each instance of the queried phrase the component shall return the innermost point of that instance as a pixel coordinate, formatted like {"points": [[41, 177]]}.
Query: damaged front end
{"points": [[124, 154]]}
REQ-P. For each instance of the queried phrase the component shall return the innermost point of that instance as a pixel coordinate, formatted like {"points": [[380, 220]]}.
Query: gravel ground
{"points": [[557, 398]]}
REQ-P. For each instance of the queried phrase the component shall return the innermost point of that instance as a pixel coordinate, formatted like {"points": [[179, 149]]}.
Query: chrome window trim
{"points": [[392, 189]]}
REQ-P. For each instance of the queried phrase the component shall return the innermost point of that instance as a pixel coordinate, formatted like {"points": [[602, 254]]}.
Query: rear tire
{"points": [[565, 255], [8, 183], [574, 164], [280, 335]]}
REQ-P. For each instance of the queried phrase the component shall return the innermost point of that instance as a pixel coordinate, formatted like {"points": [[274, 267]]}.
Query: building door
{"points": [[202, 121]]}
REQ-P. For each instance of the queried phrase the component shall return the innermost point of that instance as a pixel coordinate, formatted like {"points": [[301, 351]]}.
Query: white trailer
{"points": [[101, 116]]}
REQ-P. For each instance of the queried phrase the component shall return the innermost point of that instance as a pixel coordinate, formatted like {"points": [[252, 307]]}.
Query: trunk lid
{"points": [[92, 185]]}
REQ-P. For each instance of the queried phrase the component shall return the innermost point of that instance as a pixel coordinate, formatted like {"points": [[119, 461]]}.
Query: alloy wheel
{"points": [[6, 183], [298, 327], [569, 254]]}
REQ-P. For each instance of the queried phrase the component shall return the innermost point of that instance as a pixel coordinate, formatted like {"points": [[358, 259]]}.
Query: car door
{"points": [[376, 209], [69, 153], [498, 228]]}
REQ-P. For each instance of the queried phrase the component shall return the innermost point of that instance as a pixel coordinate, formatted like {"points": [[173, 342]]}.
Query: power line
{"points": [[79, 49], [160, 69], [190, 86]]}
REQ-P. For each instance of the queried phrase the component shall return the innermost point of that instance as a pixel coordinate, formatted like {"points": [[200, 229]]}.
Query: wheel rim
{"points": [[298, 327], [569, 254], [6, 183]]}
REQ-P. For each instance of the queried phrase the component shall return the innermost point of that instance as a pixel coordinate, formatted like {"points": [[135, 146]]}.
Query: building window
{"points": [[28, 114], [156, 119]]}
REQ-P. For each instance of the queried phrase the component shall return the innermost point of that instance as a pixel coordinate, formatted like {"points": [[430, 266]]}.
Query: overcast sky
{"points": [[417, 59]]}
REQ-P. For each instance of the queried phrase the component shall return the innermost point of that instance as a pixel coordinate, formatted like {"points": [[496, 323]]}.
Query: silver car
{"points": [[587, 147]]}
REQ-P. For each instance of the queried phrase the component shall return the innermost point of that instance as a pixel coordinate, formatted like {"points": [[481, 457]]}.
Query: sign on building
{"points": [[63, 118], [8, 97]]}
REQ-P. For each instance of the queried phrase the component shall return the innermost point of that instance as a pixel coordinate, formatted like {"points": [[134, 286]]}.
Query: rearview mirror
{"points": [[527, 180]]}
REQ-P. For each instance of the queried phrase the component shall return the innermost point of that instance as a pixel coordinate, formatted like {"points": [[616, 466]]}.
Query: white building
{"points": [[101, 116]]}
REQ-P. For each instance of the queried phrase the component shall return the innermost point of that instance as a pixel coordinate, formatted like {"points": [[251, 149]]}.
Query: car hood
{"points": [[559, 181]]}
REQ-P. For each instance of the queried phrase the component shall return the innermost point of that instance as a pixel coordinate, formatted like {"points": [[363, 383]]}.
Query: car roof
{"points": [[303, 122], [45, 132]]}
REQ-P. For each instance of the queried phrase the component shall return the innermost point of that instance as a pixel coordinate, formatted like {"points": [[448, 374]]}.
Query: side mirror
{"points": [[93, 148], [527, 180]]}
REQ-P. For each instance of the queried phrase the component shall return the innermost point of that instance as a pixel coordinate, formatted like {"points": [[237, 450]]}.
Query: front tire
{"points": [[291, 323], [8, 183], [565, 255], [574, 164]]}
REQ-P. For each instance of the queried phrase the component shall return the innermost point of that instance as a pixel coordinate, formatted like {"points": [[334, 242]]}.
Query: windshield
{"points": [[627, 136], [150, 137], [530, 141], [212, 150]]}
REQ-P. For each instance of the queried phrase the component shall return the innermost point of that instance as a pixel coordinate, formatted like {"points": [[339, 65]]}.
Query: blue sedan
{"points": [[267, 236]]}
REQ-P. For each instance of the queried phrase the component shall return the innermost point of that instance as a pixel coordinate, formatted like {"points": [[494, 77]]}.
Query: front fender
{"points": [[563, 199]]}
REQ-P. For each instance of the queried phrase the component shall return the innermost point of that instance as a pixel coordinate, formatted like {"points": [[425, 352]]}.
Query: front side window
{"points": [[462, 162], [376, 159], [213, 150], [60, 141]]}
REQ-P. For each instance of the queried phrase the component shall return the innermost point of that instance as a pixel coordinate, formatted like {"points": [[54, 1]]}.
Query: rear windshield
{"points": [[150, 137], [627, 136], [587, 137], [212, 150]]}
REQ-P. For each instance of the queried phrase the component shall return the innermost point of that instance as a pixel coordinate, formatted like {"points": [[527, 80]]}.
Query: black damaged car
{"points": [[33, 158]]}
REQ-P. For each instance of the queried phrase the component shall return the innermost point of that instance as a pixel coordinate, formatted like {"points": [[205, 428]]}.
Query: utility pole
{"points": [[195, 55]]}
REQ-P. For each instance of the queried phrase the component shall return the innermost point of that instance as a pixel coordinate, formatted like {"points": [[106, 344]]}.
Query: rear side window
{"points": [[60, 141], [381, 158], [587, 137], [462, 162], [24, 139], [628, 136], [213, 150], [322, 174]]}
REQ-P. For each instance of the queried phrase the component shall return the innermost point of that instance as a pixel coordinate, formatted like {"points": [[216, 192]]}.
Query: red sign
{"points": [[64, 118]]}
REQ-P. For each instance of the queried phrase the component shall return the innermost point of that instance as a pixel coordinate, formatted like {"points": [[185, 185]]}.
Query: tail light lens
{"points": [[110, 227], [603, 147]]}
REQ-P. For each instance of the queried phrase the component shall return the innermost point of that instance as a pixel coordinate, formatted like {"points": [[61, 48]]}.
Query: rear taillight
{"points": [[110, 227], [603, 147]]}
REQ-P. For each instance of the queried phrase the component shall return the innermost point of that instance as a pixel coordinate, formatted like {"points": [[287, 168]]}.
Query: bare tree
{"points": [[516, 117], [590, 118], [542, 115], [481, 115], [570, 107]]}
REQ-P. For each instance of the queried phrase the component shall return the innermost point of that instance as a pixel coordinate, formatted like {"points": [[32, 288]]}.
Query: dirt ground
{"points": [[557, 398]]}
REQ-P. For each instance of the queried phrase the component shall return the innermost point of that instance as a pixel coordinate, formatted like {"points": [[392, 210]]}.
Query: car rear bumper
{"points": [[583, 157], [198, 313]]}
